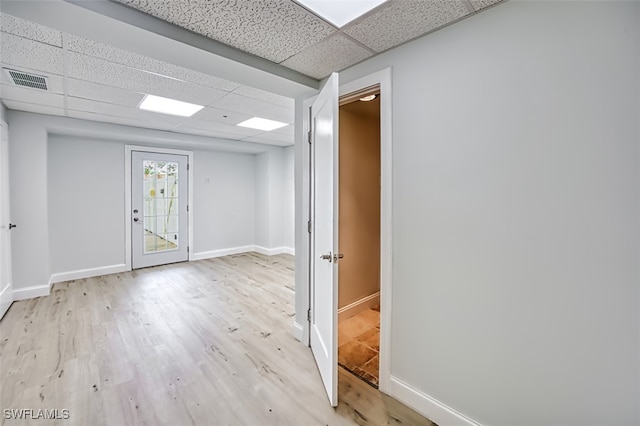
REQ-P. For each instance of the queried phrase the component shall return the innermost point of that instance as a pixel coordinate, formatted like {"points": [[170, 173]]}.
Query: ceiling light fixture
{"points": [[368, 98], [262, 124], [168, 106], [340, 13]]}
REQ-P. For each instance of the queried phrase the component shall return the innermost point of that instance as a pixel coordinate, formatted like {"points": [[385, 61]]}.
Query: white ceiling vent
{"points": [[25, 79]]}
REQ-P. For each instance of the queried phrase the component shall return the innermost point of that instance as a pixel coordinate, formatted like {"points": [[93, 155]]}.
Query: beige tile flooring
{"points": [[359, 345]]}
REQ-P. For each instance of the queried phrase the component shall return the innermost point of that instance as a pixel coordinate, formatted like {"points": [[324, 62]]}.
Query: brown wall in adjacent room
{"points": [[359, 271]]}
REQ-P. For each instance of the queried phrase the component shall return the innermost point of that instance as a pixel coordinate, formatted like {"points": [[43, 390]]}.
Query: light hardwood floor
{"points": [[206, 343]]}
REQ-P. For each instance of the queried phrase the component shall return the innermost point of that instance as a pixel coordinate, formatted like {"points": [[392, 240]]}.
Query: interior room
{"points": [[359, 236], [202, 223]]}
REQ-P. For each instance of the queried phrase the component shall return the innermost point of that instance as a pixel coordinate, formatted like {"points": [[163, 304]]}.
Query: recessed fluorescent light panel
{"points": [[168, 106], [262, 124], [340, 12]]}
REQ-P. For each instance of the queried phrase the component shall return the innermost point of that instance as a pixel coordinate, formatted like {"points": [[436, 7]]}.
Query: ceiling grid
{"points": [[97, 81]]}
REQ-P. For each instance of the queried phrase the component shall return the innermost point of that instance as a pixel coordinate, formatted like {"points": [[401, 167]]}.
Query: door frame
{"points": [[127, 195], [383, 79]]}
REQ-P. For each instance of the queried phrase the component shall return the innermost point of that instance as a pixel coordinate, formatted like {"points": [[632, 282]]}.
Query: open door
{"points": [[6, 293], [324, 238]]}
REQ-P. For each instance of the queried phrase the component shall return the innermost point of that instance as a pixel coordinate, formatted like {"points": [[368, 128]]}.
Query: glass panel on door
{"points": [[160, 206]]}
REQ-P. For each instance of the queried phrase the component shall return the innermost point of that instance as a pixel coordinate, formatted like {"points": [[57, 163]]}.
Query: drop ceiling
{"points": [[91, 76], [285, 32]]}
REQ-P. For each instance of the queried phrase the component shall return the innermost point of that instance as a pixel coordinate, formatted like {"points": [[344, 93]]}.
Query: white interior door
{"points": [[159, 212], [6, 293], [324, 283]]}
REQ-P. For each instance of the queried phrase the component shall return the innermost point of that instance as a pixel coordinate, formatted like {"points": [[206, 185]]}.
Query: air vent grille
{"points": [[28, 80]]}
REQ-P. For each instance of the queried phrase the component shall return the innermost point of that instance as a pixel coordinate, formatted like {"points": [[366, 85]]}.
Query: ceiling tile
{"points": [[21, 52], [265, 96], [481, 4], [332, 54], [34, 96], [31, 30], [99, 92], [123, 57], [218, 116], [262, 140], [272, 137], [83, 115], [272, 29], [255, 108], [404, 20], [287, 130], [85, 105], [37, 108], [54, 82], [96, 70], [183, 128], [237, 132]]}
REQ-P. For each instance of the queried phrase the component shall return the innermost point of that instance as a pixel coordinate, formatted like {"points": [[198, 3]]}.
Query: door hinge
{"points": [[187, 207], [309, 315], [309, 136], [309, 226], [187, 166], [187, 249]]}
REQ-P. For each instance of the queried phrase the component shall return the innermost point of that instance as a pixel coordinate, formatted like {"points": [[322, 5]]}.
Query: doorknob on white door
{"points": [[327, 257]]}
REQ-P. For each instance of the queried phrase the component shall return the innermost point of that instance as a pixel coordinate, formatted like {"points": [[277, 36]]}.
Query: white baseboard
{"points": [[88, 273], [219, 253], [243, 249], [6, 299], [271, 251], [358, 306], [429, 407], [298, 331], [31, 292]]}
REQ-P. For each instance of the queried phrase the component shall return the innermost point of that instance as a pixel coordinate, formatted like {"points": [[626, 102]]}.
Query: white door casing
{"points": [[324, 240], [6, 293], [159, 208]]}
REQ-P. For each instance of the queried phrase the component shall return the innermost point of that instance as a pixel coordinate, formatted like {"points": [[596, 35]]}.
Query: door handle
{"points": [[327, 257], [11, 226], [337, 257]]}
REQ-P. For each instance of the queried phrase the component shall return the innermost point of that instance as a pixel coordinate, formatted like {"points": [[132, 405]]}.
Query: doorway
{"points": [[359, 235], [320, 245], [6, 288], [158, 216]]}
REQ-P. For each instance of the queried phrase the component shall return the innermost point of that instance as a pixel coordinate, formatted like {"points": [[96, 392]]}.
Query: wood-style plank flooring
{"points": [[199, 343]]}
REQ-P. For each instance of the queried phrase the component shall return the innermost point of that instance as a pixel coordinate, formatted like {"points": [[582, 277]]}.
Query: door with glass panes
{"points": [[159, 218]]}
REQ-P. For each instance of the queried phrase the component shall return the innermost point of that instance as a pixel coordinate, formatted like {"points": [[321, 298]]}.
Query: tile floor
{"points": [[359, 344]]}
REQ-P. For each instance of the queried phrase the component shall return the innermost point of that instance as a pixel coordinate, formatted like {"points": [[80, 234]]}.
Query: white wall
{"points": [[276, 198], [263, 210], [289, 199], [224, 200], [516, 214], [86, 203], [49, 161], [274, 220]]}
